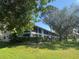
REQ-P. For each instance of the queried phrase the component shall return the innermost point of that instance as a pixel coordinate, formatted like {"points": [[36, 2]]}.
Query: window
{"points": [[39, 30]]}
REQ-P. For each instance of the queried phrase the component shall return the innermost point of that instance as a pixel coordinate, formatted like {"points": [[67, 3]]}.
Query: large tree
{"points": [[62, 21], [17, 14]]}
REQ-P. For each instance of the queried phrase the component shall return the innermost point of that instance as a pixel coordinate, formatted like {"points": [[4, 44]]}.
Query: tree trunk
{"points": [[66, 39], [60, 37]]}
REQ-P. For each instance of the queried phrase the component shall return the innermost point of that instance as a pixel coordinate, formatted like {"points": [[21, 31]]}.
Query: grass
{"points": [[27, 52]]}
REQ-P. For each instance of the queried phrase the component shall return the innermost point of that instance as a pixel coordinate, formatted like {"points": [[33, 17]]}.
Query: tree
{"points": [[15, 15], [62, 22]]}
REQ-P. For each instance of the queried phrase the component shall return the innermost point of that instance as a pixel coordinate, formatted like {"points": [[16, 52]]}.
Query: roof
{"points": [[46, 29]]}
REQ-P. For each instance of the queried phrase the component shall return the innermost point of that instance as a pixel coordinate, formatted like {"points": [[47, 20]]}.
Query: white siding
{"points": [[4, 36]]}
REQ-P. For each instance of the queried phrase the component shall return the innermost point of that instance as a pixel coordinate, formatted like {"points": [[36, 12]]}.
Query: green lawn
{"points": [[24, 52]]}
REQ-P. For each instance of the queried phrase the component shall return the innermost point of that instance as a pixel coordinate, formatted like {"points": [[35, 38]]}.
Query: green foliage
{"points": [[15, 15], [44, 2], [15, 39]]}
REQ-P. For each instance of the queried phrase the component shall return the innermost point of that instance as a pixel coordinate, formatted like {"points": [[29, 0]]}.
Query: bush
{"points": [[19, 40], [36, 39], [15, 39], [29, 39], [3, 44]]}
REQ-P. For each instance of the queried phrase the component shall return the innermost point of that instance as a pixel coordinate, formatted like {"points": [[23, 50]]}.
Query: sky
{"points": [[59, 4]]}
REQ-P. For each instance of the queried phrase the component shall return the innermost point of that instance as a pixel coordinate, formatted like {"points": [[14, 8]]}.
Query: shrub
{"points": [[15, 39], [35, 39]]}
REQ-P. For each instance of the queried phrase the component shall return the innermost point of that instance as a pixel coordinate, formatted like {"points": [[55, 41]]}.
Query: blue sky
{"points": [[59, 4]]}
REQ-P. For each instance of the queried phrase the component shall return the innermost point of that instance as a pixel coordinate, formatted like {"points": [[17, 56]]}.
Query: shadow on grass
{"points": [[43, 45], [56, 46]]}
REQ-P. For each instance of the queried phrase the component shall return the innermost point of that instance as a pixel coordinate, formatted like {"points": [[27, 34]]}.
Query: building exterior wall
{"points": [[37, 32], [4, 36]]}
